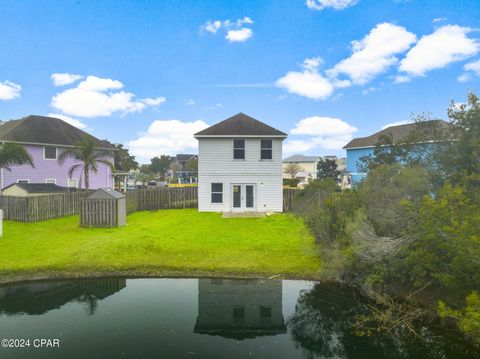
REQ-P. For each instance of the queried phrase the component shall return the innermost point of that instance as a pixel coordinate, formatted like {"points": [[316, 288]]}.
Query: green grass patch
{"points": [[180, 242]]}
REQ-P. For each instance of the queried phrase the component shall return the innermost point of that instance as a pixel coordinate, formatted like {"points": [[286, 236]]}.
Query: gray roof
{"points": [[185, 157], [301, 158], [39, 187], [241, 125], [106, 193], [397, 132], [45, 130]]}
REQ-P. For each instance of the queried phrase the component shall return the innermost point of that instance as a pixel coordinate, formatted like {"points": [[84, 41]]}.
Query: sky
{"points": [[149, 74]]}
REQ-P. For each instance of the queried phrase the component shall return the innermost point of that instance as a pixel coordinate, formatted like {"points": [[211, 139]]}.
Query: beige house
{"points": [[32, 189], [308, 168]]}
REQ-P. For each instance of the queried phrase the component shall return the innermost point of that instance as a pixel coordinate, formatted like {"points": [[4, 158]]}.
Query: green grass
{"points": [[167, 242]]}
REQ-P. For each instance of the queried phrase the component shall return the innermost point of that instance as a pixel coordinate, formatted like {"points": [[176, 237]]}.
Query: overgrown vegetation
{"points": [[409, 235]]}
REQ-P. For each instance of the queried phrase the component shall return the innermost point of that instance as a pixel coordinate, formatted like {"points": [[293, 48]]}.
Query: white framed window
{"points": [[72, 183], [239, 149], [23, 181], [49, 153], [266, 149], [51, 180], [217, 192]]}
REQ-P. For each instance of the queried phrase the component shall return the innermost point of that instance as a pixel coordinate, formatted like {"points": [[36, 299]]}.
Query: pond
{"points": [[198, 318]]}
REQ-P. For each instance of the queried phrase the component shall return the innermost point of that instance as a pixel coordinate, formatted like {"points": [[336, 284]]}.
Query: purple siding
{"points": [[51, 169]]}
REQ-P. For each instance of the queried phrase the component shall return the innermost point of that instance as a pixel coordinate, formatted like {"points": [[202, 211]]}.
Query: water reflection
{"points": [[39, 298], [239, 308]]}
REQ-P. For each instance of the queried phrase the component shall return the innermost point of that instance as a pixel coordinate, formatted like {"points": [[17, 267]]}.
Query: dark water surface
{"points": [[200, 318]]}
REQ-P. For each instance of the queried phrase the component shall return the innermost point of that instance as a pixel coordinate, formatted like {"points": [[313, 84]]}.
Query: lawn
{"points": [[166, 242]]}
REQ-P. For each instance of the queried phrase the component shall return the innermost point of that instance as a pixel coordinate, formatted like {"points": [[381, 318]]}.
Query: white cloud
{"points": [[189, 102], [72, 121], [240, 35], [309, 82], [369, 90], [95, 97], [9, 90], [445, 45], [335, 4], [235, 30], [396, 123], [374, 54], [401, 79], [166, 137], [464, 77], [64, 79], [322, 132], [473, 66], [439, 19]]}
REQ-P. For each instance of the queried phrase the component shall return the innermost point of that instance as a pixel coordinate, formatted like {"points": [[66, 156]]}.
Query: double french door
{"points": [[243, 197]]}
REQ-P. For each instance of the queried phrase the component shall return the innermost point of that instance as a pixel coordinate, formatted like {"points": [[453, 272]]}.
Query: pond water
{"points": [[199, 318]]}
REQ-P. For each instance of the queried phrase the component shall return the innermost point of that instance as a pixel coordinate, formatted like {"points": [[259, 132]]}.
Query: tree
{"points": [[13, 154], [160, 165], [386, 152], [86, 152], [191, 165], [123, 161], [327, 168], [292, 169]]}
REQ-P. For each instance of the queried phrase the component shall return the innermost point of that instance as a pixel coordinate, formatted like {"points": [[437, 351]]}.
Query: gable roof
{"points": [[397, 132], [39, 187], [240, 125], [45, 130], [185, 157], [106, 193], [301, 158]]}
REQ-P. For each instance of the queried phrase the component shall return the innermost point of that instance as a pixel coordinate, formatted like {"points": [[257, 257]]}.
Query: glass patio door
{"points": [[243, 197]]}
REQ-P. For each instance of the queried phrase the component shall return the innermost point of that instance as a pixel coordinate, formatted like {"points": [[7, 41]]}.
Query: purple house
{"points": [[45, 138]]}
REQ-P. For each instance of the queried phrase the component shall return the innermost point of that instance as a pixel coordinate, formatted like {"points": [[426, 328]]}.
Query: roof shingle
{"points": [[240, 125], [45, 130]]}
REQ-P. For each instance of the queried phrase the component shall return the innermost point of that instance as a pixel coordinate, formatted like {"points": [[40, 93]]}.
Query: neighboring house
{"points": [[308, 168], [32, 189], [183, 174], [240, 166], [364, 146], [44, 138]]}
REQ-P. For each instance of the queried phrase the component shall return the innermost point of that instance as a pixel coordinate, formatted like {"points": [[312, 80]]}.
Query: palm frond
{"points": [[14, 154]]}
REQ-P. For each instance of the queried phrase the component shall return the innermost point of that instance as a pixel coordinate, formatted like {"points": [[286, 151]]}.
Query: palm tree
{"points": [[86, 152], [13, 154]]}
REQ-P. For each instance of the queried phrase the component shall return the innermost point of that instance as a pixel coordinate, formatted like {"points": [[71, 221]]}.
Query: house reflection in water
{"points": [[41, 297], [239, 309]]}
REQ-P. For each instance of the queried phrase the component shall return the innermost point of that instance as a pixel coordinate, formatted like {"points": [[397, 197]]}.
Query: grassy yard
{"points": [[167, 242]]}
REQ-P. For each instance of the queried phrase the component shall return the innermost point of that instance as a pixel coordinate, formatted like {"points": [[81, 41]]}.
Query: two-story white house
{"points": [[240, 166]]}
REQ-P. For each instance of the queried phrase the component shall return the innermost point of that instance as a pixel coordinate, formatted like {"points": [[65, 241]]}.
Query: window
{"points": [[23, 181], [72, 183], [217, 192], [238, 149], [51, 180], [238, 312], [50, 153], [266, 149]]}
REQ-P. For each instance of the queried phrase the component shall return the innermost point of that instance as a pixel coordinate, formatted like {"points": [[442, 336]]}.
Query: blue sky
{"points": [[150, 73]]}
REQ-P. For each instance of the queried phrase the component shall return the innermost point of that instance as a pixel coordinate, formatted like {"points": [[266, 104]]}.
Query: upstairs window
{"points": [[238, 149], [266, 149], [217, 192], [50, 152]]}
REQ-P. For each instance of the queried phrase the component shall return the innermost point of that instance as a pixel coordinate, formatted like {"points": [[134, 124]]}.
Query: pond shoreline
{"points": [[9, 279]]}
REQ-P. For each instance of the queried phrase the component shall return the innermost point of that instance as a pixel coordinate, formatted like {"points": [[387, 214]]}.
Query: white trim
{"points": [[72, 179], [50, 159], [23, 179], [51, 179]]}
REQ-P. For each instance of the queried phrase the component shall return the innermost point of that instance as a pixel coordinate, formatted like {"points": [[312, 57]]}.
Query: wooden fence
{"points": [[41, 208]]}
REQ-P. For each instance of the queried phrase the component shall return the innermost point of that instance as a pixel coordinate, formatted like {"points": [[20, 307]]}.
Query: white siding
{"points": [[216, 165]]}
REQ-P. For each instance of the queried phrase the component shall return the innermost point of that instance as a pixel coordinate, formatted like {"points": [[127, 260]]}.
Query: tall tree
{"points": [[123, 161], [327, 168], [86, 152], [191, 165], [13, 154], [160, 165]]}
